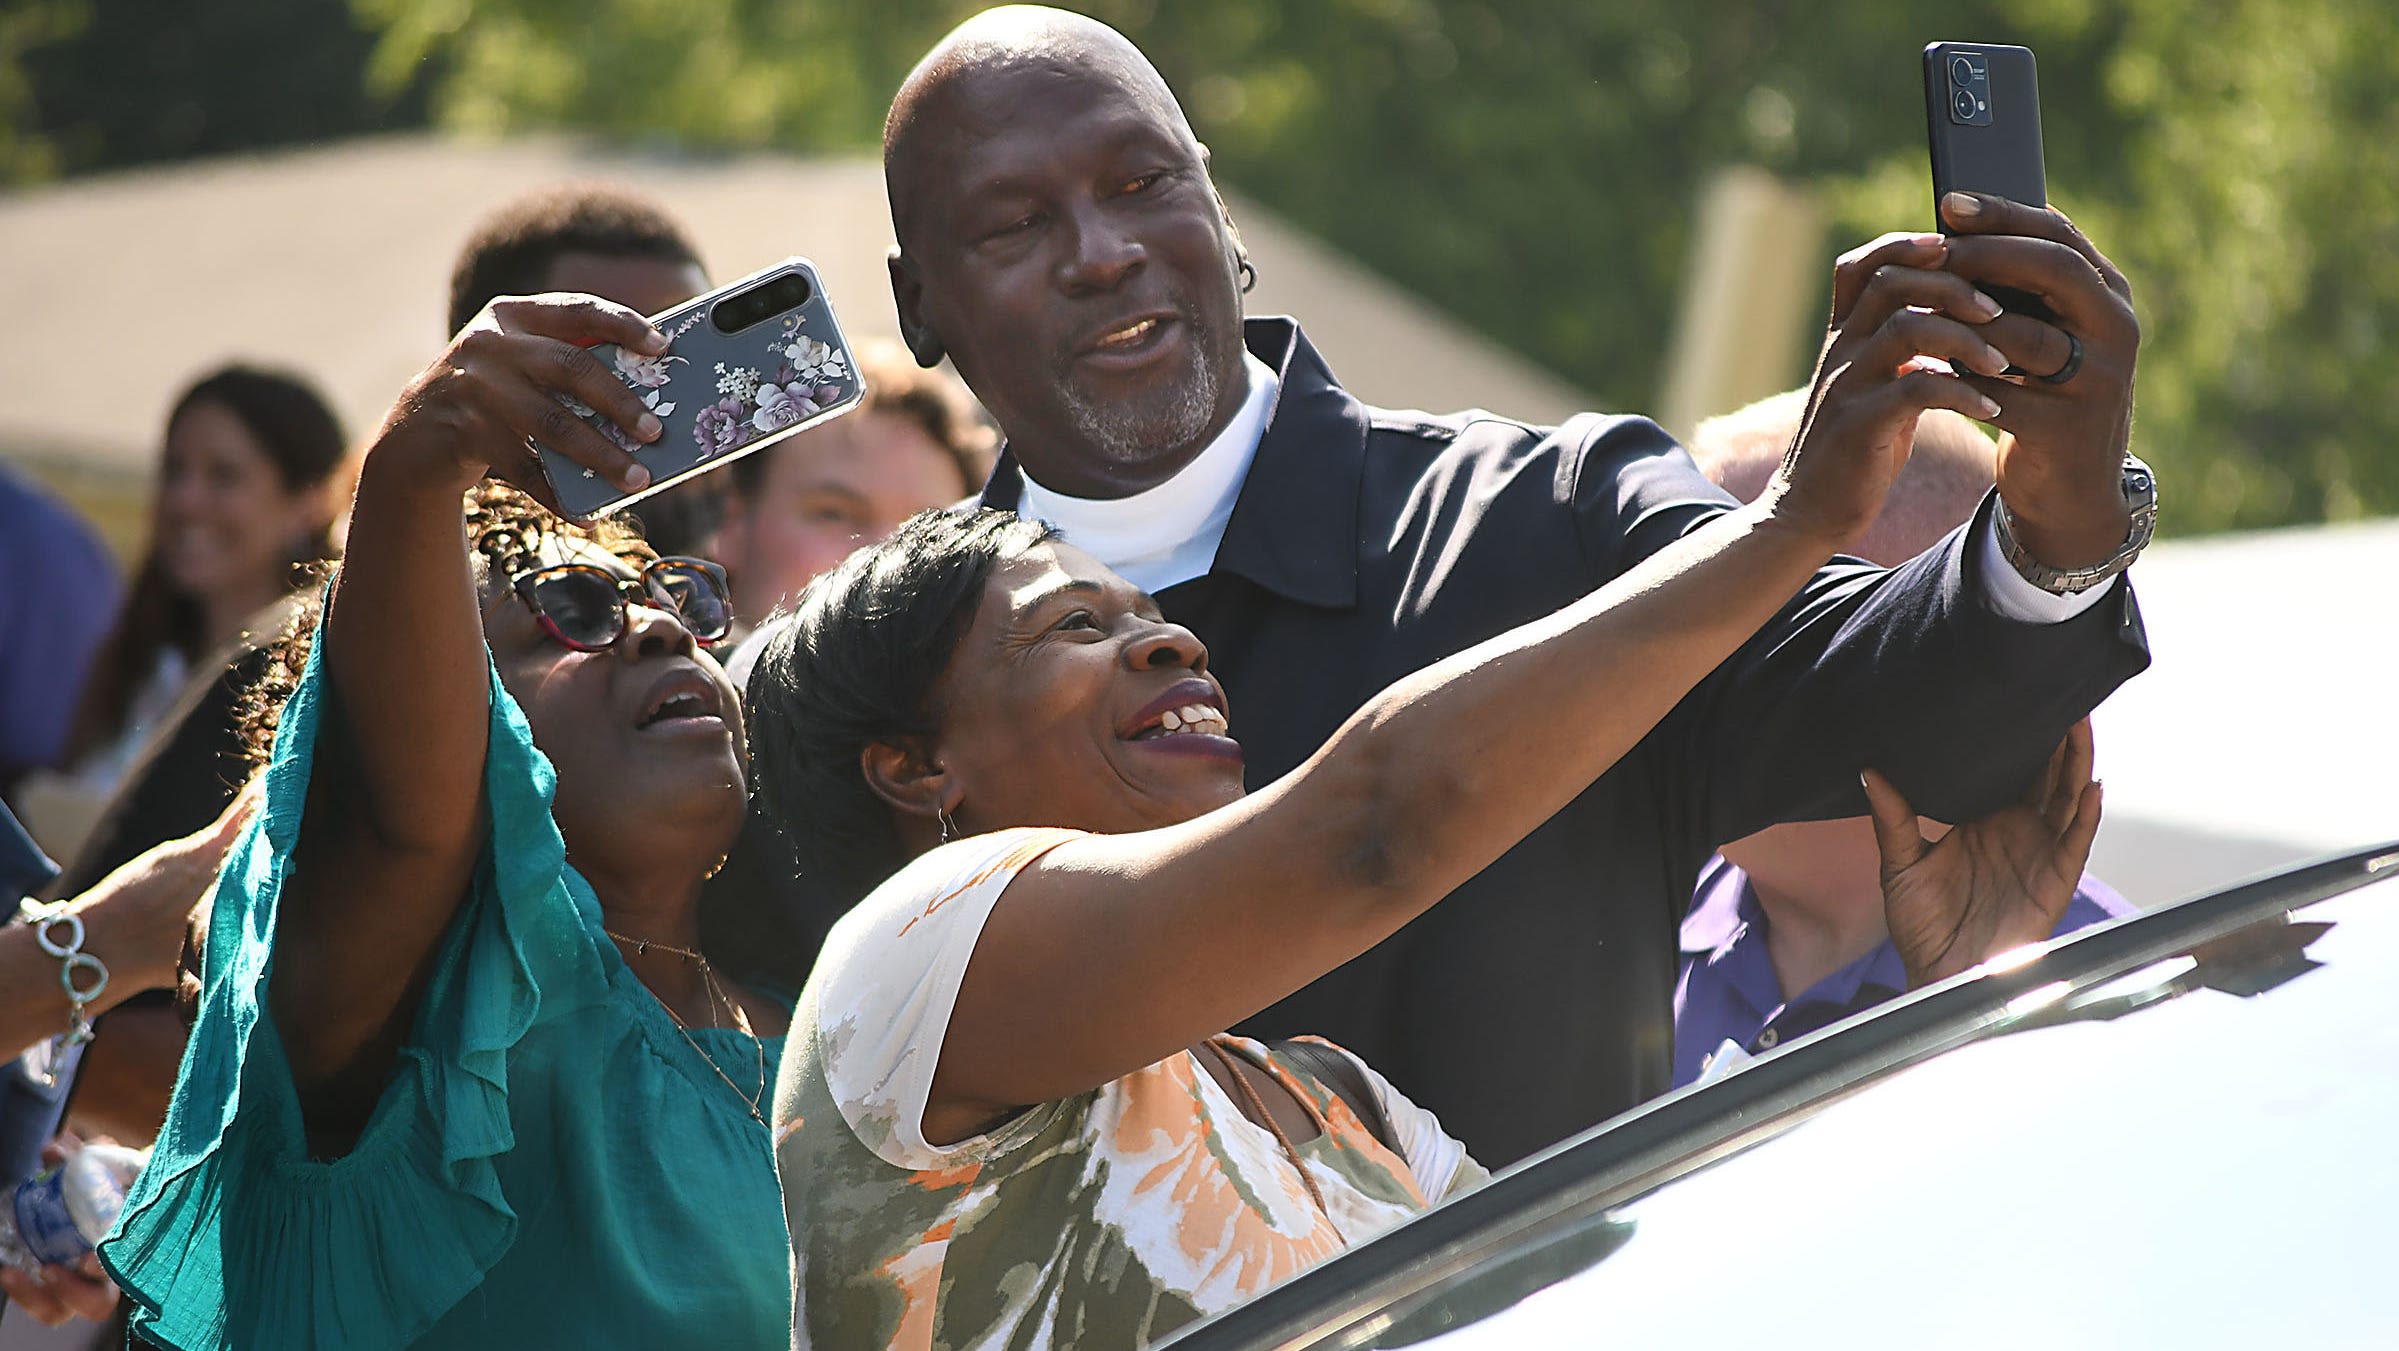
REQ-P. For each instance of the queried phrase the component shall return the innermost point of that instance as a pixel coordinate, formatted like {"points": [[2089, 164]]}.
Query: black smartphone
{"points": [[1982, 120], [746, 365]]}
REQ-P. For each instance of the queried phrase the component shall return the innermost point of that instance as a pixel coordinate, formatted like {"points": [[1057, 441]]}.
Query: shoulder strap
{"points": [[1339, 1073]]}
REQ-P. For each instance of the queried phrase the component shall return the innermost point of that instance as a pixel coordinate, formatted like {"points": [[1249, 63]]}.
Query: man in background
{"points": [[606, 241], [1786, 932]]}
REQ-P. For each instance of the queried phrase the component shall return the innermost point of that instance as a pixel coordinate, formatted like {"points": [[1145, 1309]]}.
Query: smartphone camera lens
{"points": [[1966, 105], [779, 296], [1961, 70]]}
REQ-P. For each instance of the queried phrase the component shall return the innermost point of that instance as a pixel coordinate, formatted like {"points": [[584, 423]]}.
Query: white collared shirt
{"points": [[1169, 533]]}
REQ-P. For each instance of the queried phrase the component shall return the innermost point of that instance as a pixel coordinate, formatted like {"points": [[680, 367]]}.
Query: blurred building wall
{"points": [[336, 261]]}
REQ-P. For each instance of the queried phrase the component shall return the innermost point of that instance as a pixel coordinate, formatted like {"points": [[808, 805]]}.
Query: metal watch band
{"points": [[2140, 500]]}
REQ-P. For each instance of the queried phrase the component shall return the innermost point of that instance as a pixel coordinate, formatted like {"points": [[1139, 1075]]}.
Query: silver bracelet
{"points": [[75, 965]]}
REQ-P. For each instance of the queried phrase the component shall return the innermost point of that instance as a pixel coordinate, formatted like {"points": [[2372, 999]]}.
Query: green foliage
{"points": [[2239, 159], [27, 155], [1531, 165], [98, 84]]}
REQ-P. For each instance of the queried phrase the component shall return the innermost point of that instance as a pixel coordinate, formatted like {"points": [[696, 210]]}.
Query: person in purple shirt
{"points": [[60, 601], [1730, 992], [1791, 929]]}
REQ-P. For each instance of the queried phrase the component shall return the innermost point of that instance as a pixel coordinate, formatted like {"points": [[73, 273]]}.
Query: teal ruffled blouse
{"points": [[551, 1163]]}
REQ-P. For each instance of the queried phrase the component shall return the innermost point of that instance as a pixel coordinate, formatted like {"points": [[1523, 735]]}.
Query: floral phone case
{"points": [[719, 394]]}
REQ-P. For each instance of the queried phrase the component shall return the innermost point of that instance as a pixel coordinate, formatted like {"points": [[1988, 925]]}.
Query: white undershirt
{"points": [[1170, 533], [2020, 600]]}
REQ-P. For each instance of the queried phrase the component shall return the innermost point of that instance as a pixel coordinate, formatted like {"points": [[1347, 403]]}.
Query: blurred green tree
{"points": [[101, 84], [1531, 166]]}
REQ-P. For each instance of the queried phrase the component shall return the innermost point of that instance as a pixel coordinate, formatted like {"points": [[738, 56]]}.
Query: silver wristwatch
{"points": [[2140, 501]]}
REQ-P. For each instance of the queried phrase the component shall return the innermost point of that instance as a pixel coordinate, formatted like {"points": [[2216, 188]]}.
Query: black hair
{"points": [[512, 251], [855, 666]]}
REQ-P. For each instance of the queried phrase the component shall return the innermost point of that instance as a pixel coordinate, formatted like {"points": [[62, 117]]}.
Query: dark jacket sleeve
{"points": [[1908, 670]]}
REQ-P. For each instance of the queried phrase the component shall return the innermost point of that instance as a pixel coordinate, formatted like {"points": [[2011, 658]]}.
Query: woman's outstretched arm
{"points": [[395, 811], [1179, 932]]}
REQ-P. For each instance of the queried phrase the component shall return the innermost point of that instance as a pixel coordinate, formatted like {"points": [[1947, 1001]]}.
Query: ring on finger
{"points": [[2073, 363]]}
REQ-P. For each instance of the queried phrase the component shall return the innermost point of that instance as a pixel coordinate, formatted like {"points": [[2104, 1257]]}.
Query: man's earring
{"points": [[1249, 275], [949, 828]]}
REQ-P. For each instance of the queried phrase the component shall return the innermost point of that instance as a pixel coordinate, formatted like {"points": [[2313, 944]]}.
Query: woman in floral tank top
{"points": [[1005, 1115]]}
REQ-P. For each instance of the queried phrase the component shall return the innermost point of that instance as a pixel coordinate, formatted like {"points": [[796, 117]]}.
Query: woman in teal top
{"points": [[460, 1075]]}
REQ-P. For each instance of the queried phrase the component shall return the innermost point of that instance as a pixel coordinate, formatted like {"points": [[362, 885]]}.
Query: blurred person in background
{"points": [[62, 596], [248, 486], [605, 240], [1789, 928], [253, 472], [1061, 241], [794, 510]]}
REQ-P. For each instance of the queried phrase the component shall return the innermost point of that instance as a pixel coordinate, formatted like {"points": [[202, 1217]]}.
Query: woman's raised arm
{"points": [[394, 819], [1180, 932]]}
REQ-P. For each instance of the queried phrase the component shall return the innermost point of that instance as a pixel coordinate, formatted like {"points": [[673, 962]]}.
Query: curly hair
{"points": [[854, 666], [503, 525]]}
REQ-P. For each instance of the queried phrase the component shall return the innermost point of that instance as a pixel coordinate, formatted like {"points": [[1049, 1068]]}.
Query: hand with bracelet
{"points": [[66, 963], [2070, 514], [2074, 507]]}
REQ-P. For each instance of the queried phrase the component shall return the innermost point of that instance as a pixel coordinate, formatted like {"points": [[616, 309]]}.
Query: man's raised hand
{"points": [[2065, 439], [1901, 326]]}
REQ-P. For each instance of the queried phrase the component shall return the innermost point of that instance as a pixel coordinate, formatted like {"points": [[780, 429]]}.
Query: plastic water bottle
{"points": [[55, 1217]]}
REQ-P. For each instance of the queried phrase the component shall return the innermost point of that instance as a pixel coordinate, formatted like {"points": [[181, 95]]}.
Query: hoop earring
{"points": [[949, 828], [1249, 275]]}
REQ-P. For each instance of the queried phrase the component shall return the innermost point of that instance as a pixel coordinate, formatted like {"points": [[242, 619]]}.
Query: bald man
{"points": [[1060, 240], [1786, 933]]}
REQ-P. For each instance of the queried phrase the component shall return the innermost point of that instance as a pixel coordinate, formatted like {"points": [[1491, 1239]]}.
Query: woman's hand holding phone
{"points": [[506, 381]]}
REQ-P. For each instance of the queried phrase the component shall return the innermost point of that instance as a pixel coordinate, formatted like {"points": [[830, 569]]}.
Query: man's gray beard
{"points": [[1131, 435]]}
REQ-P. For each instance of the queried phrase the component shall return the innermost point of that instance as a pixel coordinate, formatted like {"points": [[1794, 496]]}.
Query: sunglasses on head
{"points": [[582, 605]]}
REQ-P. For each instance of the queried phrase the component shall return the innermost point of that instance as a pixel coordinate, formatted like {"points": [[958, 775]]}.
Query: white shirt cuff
{"points": [[2017, 599]]}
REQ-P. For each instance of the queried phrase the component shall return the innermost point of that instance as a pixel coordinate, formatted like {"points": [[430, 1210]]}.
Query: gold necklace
{"points": [[717, 995], [1257, 1104]]}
